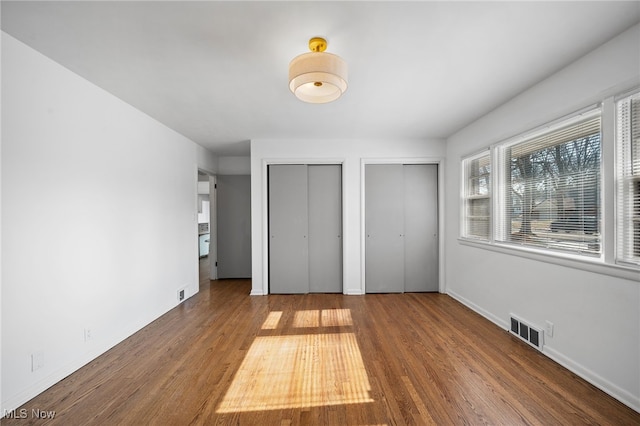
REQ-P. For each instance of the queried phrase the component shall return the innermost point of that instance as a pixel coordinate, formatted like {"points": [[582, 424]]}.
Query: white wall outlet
{"points": [[549, 328], [88, 335], [37, 360], [182, 294]]}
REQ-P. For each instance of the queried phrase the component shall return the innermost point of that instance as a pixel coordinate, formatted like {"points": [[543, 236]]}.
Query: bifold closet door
{"points": [[305, 229], [421, 227], [401, 222], [288, 228], [325, 228], [384, 227]]}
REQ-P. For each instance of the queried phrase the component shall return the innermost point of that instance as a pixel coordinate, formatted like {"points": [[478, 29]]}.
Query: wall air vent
{"points": [[529, 333]]}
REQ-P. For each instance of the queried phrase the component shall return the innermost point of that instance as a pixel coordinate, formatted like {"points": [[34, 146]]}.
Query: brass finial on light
{"points": [[317, 44]]}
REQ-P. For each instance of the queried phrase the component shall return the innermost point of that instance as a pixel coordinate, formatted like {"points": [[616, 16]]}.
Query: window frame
{"points": [[604, 263], [538, 142], [627, 181], [467, 197]]}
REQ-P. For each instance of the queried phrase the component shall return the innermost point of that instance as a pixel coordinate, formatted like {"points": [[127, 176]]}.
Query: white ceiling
{"points": [[216, 71]]}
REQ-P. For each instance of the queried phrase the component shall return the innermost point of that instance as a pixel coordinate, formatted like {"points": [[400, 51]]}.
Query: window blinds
{"points": [[477, 197], [628, 180], [551, 188]]}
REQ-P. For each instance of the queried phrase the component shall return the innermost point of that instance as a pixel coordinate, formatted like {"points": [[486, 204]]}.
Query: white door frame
{"points": [[213, 229]]}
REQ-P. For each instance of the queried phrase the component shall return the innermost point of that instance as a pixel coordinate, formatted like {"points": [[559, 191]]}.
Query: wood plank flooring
{"points": [[223, 357]]}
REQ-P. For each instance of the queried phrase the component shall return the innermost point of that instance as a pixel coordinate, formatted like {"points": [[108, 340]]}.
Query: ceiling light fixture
{"points": [[318, 77]]}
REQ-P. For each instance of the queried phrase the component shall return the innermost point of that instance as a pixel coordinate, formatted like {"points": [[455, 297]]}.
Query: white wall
{"points": [[234, 165], [207, 162], [596, 316], [99, 220], [348, 152]]}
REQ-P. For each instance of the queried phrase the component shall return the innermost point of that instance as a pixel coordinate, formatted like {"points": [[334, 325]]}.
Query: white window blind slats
{"points": [[551, 189], [559, 136], [477, 197], [628, 180]]}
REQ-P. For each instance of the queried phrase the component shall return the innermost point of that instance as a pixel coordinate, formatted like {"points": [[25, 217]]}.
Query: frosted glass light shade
{"points": [[318, 77]]}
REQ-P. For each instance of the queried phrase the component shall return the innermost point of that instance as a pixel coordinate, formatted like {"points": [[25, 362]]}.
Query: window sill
{"points": [[568, 260]]}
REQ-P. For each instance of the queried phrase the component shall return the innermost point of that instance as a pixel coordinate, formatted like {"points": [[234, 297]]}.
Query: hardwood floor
{"points": [[223, 357]]}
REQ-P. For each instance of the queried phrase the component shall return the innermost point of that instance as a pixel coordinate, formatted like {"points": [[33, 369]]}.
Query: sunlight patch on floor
{"points": [[271, 323], [323, 318], [336, 318], [306, 319], [299, 371]]}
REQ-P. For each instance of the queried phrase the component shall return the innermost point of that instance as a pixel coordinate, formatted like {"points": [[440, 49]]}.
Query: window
{"points": [[546, 190], [550, 189], [542, 194], [628, 180], [477, 196]]}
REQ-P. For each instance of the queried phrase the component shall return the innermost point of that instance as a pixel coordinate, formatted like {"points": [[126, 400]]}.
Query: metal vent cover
{"points": [[525, 331]]}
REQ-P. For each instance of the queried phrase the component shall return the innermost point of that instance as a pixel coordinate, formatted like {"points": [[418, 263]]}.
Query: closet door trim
{"points": [[439, 161]]}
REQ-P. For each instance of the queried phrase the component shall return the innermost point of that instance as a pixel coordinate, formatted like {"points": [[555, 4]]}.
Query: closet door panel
{"points": [[421, 227], [288, 229], [384, 227], [325, 228]]}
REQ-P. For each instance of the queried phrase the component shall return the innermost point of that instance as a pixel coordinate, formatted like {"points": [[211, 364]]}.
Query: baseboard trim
{"points": [[488, 315], [601, 383], [25, 395], [604, 385]]}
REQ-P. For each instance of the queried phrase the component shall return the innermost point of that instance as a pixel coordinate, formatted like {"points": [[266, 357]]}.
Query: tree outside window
{"points": [[553, 189]]}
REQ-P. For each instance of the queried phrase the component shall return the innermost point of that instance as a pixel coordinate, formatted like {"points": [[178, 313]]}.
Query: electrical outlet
{"points": [[182, 294], [549, 328], [88, 335], [37, 360]]}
